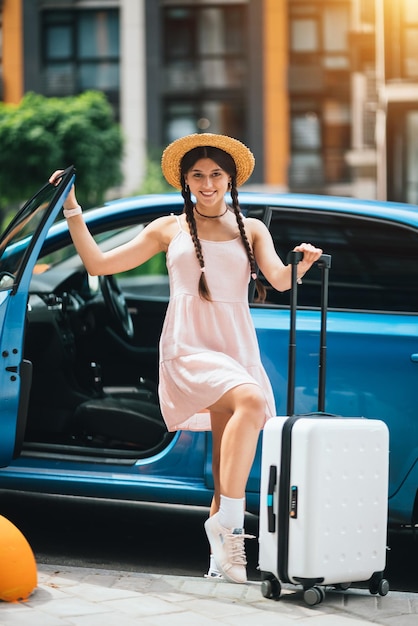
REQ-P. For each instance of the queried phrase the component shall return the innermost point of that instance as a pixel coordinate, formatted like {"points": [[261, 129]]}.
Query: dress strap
{"points": [[178, 220]]}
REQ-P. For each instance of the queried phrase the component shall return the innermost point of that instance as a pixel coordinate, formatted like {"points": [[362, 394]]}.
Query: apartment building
{"points": [[309, 85]]}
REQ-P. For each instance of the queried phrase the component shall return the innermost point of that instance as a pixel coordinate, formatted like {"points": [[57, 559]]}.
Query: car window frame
{"points": [[312, 279]]}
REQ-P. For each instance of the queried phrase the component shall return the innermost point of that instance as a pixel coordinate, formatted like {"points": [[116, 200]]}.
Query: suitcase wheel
{"points": [[271, 589], [314, 595], [380, 587]]}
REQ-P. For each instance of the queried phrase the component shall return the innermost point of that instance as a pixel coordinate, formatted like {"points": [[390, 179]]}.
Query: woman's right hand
{"points": [[54, 179], [71, 200]]}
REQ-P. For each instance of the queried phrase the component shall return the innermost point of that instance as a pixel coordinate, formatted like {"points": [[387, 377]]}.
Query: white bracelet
{"points": [[71, 212]]}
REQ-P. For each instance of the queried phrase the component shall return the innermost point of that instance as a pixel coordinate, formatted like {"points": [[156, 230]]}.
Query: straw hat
{"points": [[173, 154]]}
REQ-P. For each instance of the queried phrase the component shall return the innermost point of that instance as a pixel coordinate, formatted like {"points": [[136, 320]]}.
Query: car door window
{"points": [[373, 261], [19, 237]]}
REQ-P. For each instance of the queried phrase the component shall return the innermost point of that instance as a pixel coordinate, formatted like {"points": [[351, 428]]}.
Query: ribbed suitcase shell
{"points": [[323, 519]]}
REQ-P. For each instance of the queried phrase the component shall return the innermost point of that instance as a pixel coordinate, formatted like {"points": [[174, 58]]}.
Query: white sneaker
{"points": [[214, 574], [228, 549]]}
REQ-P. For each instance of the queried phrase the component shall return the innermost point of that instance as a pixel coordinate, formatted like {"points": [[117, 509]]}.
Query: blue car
{"points": [[79, 354]]}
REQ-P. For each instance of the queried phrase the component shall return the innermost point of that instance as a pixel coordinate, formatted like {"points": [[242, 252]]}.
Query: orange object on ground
{"points": [[18, 573]]}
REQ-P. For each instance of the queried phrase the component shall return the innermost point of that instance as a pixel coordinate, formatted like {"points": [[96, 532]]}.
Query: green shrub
{"points": [[43, 134], [154, 181]]}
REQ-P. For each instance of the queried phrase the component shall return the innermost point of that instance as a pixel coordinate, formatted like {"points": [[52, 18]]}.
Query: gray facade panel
{"points": [[32, 51]]}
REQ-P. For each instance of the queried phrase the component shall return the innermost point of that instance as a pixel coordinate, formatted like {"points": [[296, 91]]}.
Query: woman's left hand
{"points": [[310, 255]]}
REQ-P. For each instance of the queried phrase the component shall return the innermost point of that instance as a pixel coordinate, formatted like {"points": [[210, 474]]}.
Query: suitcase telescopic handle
{"points": [[293, 258], [324, 263]]}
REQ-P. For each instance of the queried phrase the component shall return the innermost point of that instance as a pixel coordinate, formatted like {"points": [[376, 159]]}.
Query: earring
{"points": [[186, 187]]}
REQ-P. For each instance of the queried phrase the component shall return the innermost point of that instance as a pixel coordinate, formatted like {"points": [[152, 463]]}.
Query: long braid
{"points": [[253, 268], [191, 221]]}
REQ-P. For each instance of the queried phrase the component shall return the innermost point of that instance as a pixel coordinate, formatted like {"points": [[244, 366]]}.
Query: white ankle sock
{"points": [[231, 512], [212, 565]]}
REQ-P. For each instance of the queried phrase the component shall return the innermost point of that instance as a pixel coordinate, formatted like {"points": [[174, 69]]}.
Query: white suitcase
{"points": [[323, 504], [324, 489]]}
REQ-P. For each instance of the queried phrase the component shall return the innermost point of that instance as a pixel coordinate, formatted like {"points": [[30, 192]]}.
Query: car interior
{"points": [[94, 356]]}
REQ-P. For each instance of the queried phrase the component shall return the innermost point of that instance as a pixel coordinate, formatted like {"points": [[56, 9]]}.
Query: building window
{"points": [[319, 87], [411, 157], [182, 117], [319, 34], [401, 39], [410, 38], [306, 168], [81, 52], [205, 69]]}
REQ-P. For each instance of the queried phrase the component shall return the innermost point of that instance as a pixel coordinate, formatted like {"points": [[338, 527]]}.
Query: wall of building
{"points": [[275, 91], [12, 51], [133, 89]]}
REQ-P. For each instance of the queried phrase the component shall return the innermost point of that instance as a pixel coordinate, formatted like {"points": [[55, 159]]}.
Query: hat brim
{"points": [[173, 154]]}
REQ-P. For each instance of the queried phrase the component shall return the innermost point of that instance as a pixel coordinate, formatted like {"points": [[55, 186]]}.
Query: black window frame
{"points": [[197, 98], [309, 97], [70, 18]]}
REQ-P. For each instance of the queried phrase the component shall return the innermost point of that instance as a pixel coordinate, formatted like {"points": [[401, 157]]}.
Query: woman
{"points": [[211, 376]]}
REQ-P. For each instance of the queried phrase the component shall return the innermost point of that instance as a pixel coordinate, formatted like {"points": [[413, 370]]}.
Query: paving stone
{"points": [[68, 596]]}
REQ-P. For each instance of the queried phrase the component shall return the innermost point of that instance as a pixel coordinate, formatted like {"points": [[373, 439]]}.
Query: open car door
{"points": [[20, 245]]}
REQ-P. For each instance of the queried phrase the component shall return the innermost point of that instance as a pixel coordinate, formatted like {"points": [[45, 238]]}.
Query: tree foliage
{"points": [[154, 181], [43, 134]]}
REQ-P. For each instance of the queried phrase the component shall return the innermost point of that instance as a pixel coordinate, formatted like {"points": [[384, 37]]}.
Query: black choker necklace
{"points": [[210, 217]]}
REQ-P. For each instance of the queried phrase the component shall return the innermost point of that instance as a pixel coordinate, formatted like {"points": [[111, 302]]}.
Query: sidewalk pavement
{"points": [[75, 596]]}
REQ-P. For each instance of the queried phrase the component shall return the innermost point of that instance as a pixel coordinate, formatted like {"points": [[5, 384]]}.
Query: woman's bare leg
{"points": [[218, 423], [238, 436], [236, 422]]}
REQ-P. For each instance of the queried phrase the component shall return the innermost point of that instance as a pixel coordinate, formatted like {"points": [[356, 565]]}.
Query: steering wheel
{"points": [[116, 305]]}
